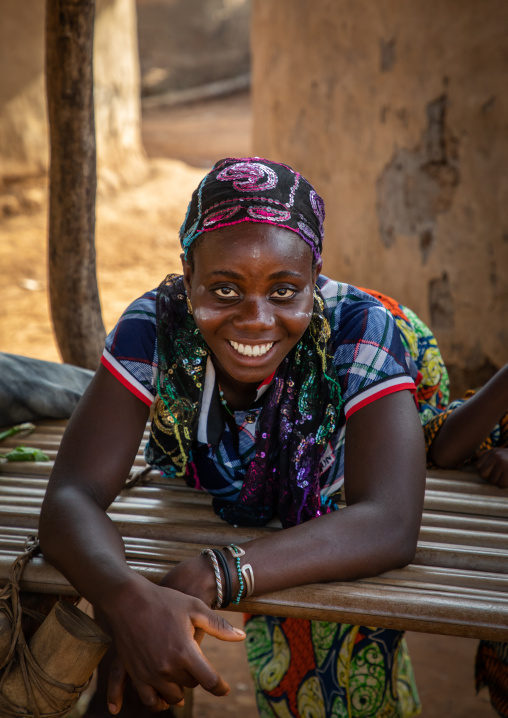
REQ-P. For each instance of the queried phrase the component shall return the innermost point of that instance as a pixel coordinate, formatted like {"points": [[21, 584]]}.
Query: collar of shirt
{"points": [[211, 422]]}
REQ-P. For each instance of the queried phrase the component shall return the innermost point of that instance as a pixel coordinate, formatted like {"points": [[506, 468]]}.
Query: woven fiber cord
{"points": [[19, 653]]}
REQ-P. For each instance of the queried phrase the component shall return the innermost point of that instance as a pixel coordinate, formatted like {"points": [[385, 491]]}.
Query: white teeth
{"points": [[251, 350]]}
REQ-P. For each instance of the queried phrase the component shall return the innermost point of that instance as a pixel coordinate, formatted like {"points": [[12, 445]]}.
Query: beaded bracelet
{"points": [[218, 580], [228, 587], [244, 572]]}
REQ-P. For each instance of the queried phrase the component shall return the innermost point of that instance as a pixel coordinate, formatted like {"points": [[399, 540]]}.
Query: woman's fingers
{"points": [[206, 675], [155, 700], [198, 635], [208, 621], [116, 685], [151, 699], [213, 624], [485, 465], [493, 466], [161, 663]]}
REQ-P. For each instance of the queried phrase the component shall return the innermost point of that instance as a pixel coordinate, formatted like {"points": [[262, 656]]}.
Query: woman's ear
{"points": [[187, 273], [317, 269]]}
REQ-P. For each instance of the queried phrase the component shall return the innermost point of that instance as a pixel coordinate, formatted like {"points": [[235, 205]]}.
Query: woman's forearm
{"points": [[470, 424], [351, 543], [79, 538], [96, 454]]}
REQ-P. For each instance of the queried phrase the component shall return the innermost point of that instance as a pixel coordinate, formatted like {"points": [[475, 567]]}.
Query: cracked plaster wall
{"points": [[398, 114]]}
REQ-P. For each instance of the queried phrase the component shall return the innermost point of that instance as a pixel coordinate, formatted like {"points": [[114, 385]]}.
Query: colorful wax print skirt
{"points": [[316, 669]]}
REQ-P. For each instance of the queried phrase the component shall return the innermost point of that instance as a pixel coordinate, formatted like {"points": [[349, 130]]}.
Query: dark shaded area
{"points": [[464, 378], [441, 303], [387, 50]]}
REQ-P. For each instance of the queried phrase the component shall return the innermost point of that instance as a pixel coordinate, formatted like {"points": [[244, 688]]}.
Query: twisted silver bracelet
{"points": [[218, 580]]}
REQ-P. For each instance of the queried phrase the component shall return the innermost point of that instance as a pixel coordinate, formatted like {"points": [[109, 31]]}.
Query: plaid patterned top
{"points": [[370, 358]]}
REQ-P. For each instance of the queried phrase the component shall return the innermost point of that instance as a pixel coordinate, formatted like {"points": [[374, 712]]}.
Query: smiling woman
{"points": [[254, 363]]}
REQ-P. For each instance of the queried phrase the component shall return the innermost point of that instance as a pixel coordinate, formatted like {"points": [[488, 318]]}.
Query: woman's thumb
{"points": [[213, 624]]}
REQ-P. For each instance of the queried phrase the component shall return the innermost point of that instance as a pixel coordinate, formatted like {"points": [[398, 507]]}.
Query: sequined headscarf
{"points": [[301, 408], [252, 189]]}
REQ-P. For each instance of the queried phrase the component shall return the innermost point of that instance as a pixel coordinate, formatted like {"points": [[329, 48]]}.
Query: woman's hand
{"points": [[153, 626], [155, 637], [492, 466]]}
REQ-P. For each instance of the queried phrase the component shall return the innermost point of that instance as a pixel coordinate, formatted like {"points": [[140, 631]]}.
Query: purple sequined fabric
{"points": [[252, 189]]}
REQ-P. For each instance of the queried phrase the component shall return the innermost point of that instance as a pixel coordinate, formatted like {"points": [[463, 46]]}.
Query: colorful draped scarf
{"points": [[299, 416]]}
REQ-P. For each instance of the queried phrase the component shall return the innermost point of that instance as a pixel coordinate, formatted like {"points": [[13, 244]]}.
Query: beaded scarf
{"points": [[299, 415]]}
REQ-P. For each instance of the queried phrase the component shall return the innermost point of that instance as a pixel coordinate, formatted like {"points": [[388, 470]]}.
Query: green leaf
{"points": [[26, 427], [25, 453]]}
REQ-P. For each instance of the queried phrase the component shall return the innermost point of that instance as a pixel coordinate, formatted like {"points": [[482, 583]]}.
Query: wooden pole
{"points": [[74, 295]]}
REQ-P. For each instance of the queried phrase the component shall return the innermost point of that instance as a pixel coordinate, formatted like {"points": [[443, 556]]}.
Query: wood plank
{"points": [[457, 585], [355, 602]]}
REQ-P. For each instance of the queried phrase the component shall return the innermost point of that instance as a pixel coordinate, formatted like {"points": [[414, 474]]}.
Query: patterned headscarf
{"points": [[252, 189], [302, 406]]}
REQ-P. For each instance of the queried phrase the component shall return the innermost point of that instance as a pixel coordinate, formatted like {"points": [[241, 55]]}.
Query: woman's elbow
{"points": [[403, 549], [442, 456], [405, 555]]}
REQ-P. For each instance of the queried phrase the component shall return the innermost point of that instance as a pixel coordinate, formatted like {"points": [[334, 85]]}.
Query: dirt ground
{"points": [[136, 245]]}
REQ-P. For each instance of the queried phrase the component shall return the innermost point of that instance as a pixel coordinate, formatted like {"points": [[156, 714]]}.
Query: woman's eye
{"points": [[284, 293], [226, 292]]}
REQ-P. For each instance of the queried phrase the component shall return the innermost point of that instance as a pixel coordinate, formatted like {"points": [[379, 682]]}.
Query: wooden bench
{"points": [[457, 585]]}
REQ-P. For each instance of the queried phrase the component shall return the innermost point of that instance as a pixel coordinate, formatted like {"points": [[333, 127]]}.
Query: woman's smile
{"points": [[251, 350]]}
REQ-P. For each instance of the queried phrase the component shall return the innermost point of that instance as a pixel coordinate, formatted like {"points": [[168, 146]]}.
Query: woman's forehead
{"points": [[252, 242]]}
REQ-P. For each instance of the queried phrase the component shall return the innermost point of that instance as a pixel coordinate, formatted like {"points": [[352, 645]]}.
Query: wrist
{"points": [[119, 595], [204, 585], [195, 577]]}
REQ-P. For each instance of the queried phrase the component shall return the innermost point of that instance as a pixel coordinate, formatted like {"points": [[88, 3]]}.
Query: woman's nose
{"points": [[254, 313]]}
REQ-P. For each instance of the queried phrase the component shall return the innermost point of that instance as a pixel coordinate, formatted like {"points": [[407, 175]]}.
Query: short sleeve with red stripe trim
{"points": [[131, 348], [369, 356]]}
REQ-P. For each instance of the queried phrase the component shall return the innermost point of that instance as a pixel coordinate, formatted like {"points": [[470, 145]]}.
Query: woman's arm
{"points": [[469, 424], [377, 531], [153, 626]]}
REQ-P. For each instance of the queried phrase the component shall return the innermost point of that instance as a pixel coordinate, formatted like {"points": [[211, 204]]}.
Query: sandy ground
{"points": [[136, 245]]}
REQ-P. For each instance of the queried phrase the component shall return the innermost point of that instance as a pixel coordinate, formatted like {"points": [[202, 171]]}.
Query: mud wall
{"points": [[398, 113], [23, 123], [189, 43]]}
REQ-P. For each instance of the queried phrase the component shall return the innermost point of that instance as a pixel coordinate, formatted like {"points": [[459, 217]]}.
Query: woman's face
{"points": [[251, 289]]}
